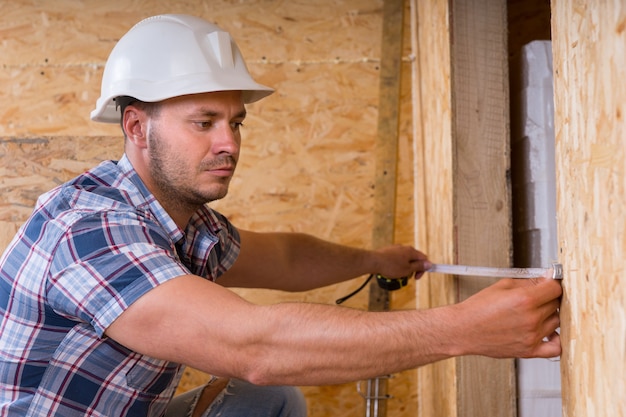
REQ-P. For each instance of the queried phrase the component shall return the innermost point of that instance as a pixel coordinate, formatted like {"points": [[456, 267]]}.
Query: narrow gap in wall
{"points": [[533, 180]]}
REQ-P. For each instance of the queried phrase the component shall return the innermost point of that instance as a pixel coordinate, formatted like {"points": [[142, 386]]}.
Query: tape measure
{"points": [[389, 284]]}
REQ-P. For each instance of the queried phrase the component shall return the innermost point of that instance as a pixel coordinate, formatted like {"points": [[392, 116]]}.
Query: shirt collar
{"points": [[150, 203]]}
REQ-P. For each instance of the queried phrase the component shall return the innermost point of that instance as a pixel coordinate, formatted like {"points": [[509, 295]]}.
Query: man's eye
{"points": [[236, 125], [203, 124]]}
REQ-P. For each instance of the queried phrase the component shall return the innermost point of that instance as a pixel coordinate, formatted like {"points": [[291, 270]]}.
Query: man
{"points": [[121, 276]]}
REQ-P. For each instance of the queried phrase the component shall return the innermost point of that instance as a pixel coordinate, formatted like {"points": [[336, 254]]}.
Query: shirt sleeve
{"points": [[105, 262]]}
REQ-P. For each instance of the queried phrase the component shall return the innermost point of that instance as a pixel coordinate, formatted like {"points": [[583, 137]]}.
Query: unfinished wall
{"points": [[307, 163], [589, 52]]}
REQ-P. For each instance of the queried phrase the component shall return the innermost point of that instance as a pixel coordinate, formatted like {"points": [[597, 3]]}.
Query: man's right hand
{"points": [[512, 318]]}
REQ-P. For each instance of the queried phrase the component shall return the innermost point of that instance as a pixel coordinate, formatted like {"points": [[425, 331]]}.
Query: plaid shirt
{"points": [[90, 249]]}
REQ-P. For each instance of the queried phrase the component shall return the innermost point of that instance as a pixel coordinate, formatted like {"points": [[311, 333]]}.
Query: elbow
{"points": [[257, 363], [263, 372], [262, 378]]}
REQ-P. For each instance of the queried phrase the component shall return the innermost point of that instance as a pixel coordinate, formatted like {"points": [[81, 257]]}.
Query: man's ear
{"points": [[135, 124]]}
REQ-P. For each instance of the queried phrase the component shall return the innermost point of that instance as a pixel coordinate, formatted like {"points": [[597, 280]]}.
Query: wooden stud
{"points": [[386, 166], [482, 202]]}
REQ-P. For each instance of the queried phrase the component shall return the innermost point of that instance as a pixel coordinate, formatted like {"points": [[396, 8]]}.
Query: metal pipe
{"points": [[375, 395]]}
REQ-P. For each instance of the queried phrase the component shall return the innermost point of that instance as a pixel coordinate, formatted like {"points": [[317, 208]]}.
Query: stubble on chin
{"points": [[177, 187]]}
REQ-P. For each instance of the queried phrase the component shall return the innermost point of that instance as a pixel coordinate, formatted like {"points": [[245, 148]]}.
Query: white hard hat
{"points": [[169, 56]]}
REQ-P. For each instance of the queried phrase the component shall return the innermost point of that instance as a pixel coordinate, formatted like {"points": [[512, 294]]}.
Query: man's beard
{"points": [[174, 178]]}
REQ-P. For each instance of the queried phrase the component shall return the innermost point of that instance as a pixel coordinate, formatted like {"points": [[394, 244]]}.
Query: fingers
{"points": [[540, 291], [548, 340], [552, 324], [420, 264], [546, 294], [421, 267], [402, 261], [547, 289], [550, 348]]}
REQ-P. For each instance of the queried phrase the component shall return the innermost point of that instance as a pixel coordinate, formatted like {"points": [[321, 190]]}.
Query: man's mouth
{"points": [[222, 167], [222, 171]]}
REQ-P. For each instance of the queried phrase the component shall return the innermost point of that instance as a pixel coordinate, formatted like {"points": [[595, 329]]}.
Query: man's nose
{"points": [[226, 140]]}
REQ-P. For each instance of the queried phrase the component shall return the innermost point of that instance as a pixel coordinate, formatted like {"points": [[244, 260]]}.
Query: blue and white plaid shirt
{"points": [[90, 249]]}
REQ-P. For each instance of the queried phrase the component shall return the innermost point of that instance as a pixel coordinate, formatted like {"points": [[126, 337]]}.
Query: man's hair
{"points": [[152, 109]]}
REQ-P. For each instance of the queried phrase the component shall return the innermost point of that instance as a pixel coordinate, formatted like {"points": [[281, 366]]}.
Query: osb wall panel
{"points": [[52, 52], [307, 159], [589, 49]]}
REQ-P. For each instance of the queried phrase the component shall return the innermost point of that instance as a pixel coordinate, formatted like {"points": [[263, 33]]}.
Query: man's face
{"points": [[193, 147]]}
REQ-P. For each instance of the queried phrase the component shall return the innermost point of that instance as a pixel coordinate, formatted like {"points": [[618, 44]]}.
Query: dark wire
{"points": [[341, 300]]}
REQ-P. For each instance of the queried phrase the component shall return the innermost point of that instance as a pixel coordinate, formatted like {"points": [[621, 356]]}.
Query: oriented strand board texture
{"points": [[589, 50], [307, 163]]}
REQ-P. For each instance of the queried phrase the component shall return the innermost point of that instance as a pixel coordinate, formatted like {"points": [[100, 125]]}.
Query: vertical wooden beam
{"points": [[386, 166], [434, 186], [463, 65], [388, 125], [482, 203], [589, 56]]}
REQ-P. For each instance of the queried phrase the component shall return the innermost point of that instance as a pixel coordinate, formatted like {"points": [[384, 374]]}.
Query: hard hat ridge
{"points": [[221, 43], [168, 56]]}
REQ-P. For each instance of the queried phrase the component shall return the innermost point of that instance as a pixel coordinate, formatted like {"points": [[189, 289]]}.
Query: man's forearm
{"points": [[308, 344], [298, 262]]}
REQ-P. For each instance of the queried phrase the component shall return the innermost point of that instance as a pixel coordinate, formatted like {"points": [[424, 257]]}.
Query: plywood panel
{"points": [[36, 32], [33, 165], [52, 53], [589, 52]]}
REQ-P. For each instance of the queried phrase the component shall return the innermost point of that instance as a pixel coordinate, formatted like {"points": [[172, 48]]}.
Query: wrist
{"points": [[454, 330], [376, 261]]}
